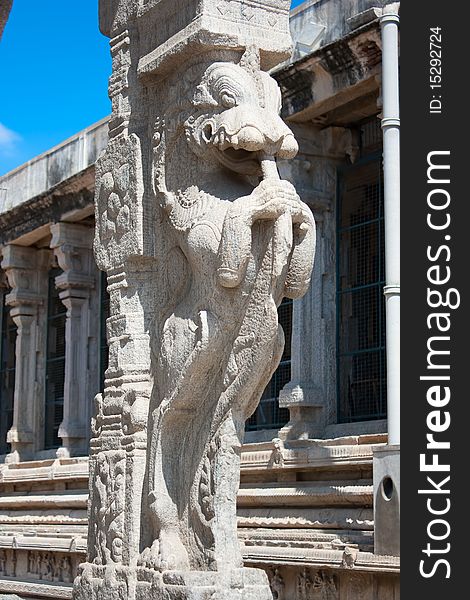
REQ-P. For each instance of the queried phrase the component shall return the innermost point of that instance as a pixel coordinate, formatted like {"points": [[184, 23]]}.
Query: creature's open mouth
{"points": [[239, 160], [229, 153], [239, 154]]}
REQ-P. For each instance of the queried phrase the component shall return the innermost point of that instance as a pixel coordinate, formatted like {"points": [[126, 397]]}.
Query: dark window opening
{"points": [[7, 372], [268, 415], [55, 363], [104, 315], [361, 367]]}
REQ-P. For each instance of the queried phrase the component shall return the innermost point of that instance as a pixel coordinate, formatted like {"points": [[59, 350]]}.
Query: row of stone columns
{"points": [[27, 270]]}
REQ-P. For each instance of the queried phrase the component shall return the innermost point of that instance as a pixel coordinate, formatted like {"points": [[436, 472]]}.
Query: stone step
{"points": [[350, 453], [337, 539], [35, 589], [56, 470], [306, 494], [349, 558], [53, 500], [52, 543], [276, 459], [302, 517], [61, 517]]}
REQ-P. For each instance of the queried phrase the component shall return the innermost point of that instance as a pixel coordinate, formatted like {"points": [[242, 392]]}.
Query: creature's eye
{"points": [[227, 100]]}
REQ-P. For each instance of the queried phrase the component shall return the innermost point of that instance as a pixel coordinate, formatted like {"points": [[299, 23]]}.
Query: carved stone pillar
{"points": [[201, 240], [310, 396], [72, 245], [26, 270]]}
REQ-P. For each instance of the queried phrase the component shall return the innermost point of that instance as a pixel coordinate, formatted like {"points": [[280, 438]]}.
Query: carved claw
{"points": [[142, 560], [169, 564], [150, 557]]}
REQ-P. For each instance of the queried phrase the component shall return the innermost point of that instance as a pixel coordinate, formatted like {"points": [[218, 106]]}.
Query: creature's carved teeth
{"points": [[234, 141]]}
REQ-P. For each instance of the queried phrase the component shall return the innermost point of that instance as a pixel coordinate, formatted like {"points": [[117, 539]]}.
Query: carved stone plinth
{"points": [[147, 584]]}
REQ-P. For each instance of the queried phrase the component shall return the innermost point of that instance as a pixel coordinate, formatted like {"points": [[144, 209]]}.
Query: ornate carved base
{"points": [[124, 583]]}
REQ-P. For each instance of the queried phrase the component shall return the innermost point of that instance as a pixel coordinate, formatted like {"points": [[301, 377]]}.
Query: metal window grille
{"points": [[361, 367], [268, 415], [7, 372], [104, 314], [55, 364], [370, 136]]}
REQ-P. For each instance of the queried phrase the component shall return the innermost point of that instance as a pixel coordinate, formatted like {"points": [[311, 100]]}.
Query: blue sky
{"points": [[55, 65]]}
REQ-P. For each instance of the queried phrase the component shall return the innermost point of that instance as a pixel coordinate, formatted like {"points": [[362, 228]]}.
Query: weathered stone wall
{"points": [[61, 163]]}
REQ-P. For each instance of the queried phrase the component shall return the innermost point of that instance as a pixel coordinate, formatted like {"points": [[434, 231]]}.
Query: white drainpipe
{"points": [[389, 22]]}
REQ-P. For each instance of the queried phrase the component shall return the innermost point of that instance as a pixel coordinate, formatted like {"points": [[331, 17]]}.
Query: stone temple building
{"points": [[311, 511]]}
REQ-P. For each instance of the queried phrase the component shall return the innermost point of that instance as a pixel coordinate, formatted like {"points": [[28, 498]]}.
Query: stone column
{"points": [[26, 270], [310, 396], [307, 395], [72, 245]]}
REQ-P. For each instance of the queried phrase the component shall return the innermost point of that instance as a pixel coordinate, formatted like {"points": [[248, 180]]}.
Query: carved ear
{"points": [[202, 96]]}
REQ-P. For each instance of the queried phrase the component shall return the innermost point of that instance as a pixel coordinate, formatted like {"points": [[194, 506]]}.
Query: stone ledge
{"points": [[45, 470], [312, 454], [361, 561], [303, 518], [53, 500], [64, 543], [41, 590], [311, 494], [337, 539]]}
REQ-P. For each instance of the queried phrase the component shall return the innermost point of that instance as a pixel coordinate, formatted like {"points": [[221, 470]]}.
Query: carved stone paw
{"points": [[150, 557], [173, 554]]}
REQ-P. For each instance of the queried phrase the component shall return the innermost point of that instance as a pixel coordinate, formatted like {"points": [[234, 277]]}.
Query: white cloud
{"points": [[8, 139]]}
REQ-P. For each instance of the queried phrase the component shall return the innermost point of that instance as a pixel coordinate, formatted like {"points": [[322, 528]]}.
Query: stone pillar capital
{"points": [[24, 257], [73, 298], [73, 234], [23, 315], [24, 268], [72, 246]]}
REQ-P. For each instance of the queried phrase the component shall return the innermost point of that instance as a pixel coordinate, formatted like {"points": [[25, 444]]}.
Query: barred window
{"points": [[7, 372], [268, 415], [55, 363], [361, 367], [104, 314]]}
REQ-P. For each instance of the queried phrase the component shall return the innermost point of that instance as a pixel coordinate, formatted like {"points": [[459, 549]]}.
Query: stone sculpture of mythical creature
{"points": [[236, 240]]}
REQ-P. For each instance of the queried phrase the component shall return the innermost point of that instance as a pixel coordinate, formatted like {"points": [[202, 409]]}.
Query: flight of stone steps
{"points": [[305, 504], [309, 497]]}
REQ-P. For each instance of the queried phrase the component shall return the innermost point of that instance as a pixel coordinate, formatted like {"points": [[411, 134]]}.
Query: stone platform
{"points": [[115, 583]]}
